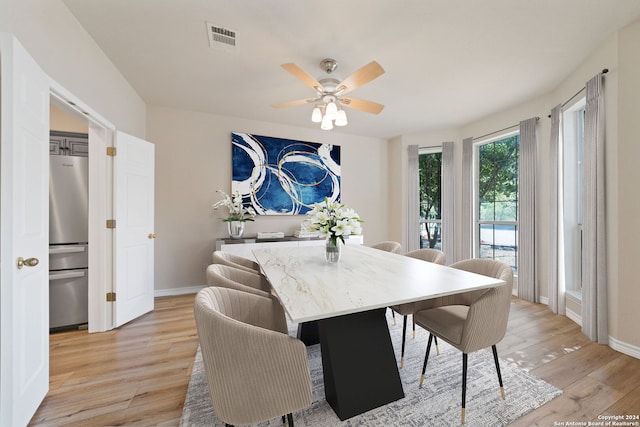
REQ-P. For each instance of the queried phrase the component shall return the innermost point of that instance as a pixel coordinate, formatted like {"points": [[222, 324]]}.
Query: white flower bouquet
{"points": [[237, 212], [332, 220]]}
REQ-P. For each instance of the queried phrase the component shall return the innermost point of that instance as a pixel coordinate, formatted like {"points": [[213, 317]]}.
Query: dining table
{"points": [[348, 301]]}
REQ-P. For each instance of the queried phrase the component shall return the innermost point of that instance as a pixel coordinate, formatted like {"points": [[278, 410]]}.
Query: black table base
{"points": [[359, 364], [308, 333]]}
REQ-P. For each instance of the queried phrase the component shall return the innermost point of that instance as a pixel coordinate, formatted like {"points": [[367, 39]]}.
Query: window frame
{"points": [[573, 143], [425, 222], [477, 222]]}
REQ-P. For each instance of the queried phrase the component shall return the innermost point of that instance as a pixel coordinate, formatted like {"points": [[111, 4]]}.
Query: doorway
{"points": [[68, 116]]}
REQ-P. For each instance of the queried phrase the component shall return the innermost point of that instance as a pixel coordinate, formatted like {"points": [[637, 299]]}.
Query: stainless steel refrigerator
{"points": [[68, 241]]}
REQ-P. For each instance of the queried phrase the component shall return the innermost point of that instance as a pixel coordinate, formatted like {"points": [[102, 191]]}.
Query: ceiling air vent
{"points": [[222, 38]]}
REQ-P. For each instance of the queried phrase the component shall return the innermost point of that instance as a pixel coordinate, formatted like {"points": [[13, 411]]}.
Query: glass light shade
{"points": [[341, 118], [331, 111], [316, 115], [326, 123]]}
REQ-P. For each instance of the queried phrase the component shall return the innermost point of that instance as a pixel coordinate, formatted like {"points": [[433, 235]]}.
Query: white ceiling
{"points": [[447, 62]]}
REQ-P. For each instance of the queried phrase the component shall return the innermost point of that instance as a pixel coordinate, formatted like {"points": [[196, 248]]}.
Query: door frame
{"points": [[101, 252]]}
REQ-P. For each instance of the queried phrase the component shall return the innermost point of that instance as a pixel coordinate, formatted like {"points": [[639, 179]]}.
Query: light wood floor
{"points": [[138, 374]]}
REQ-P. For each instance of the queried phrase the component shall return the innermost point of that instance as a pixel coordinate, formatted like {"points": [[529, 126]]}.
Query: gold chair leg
{"points": [[504, 396], [437, 349], [421, 380], [462, 415]]}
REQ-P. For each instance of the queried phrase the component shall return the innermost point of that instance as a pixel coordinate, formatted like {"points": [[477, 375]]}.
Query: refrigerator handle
{"points": [[66, 249], [67, 275]]}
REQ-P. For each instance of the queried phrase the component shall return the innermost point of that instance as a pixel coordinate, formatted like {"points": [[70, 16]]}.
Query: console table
{"points": [[244, 247]]}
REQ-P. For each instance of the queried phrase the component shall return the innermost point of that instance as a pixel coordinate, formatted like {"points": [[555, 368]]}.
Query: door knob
{"points": [[152, 235], [29, 262]]}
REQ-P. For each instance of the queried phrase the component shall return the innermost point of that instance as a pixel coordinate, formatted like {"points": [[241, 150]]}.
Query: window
{"points": [[497, 199], [573, 138], [430, 171]]}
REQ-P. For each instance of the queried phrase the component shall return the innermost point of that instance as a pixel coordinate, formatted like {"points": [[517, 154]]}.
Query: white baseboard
{"points": [[544, 300], [622, 347], [577, 318], [177, 291]]}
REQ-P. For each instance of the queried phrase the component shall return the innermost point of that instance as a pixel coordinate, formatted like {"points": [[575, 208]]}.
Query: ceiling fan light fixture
{"points": [[326, 124], [330, 90], [331, 110], [316, 115], [341, 118]]}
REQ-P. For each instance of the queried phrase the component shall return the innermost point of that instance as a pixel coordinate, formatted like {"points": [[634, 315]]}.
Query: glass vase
{"points": [[332, 251], [235, 229]]}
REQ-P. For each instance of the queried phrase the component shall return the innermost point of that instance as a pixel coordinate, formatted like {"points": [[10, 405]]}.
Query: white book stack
{"points": [[270, 234], [305, 234]]}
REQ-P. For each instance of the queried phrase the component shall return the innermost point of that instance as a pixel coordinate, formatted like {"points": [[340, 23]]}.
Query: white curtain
{"points": [[466, 250], [413, 199], [448, 201], [594, 250], [555, 250], [527, 280]]}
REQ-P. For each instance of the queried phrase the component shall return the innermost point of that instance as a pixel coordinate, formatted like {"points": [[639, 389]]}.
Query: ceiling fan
{"points": [[330, 92]]}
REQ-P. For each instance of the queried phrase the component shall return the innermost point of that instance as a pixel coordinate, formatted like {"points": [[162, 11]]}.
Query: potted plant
{"points": [[334, 221], [238, 214]]}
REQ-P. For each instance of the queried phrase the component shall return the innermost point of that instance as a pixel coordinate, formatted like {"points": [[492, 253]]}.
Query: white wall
{"points": [[193, 160], [625, 258], [65, 51]]}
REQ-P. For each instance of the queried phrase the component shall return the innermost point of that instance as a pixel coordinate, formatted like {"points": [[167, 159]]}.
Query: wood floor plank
{"points": [[138, 374], [629, 405]]}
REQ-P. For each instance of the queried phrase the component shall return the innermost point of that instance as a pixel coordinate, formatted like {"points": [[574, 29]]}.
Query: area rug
{"points": [[437, 403]]}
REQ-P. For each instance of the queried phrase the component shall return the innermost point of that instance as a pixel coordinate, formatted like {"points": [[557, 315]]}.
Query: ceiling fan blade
{"points": [[362, 105], [363, 76], [293, 103], [303, 76]]}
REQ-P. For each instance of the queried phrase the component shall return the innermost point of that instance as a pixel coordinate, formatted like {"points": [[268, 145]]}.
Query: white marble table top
{"points": [[309, 288]]}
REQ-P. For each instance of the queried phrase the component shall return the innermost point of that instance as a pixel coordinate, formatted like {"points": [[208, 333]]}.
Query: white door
{"points": [[134, 233], [24, 222]]}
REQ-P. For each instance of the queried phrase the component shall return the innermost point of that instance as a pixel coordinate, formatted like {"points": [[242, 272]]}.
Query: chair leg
{"points": [[495, 359], [437, 347], [393, 316], [464, 385], [284, 421], [404, 338], [414, 327], [290, 419], [426, 357]]}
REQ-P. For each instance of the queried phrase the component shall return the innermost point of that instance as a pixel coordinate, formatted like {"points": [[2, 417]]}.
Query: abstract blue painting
{"points": [[277, 176]]}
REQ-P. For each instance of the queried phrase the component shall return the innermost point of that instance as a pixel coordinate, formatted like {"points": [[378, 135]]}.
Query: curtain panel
{"points": [[527, 247], [555, 250], [466, 231], [448, 201], [594, 262], [413, 199]]}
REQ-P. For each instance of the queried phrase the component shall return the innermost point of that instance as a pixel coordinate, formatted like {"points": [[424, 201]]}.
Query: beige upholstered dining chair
{"points": [[429, 255], [237, 261], [475, 319], [388, 246], [225, 276], [255, 371]]}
